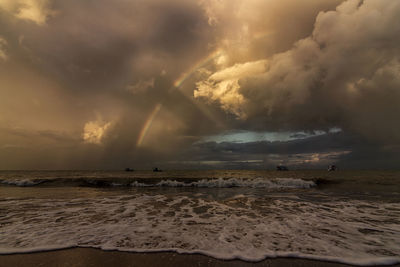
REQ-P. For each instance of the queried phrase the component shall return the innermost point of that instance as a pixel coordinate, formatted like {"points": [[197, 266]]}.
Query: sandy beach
{"points": [[96, 257]]}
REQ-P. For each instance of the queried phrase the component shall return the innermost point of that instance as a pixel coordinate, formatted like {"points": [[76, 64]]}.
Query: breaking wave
{"points": [[233, 182], [277, 183]]}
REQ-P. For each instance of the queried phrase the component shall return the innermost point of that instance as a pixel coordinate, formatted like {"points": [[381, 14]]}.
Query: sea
{"points": [[349, 217]]}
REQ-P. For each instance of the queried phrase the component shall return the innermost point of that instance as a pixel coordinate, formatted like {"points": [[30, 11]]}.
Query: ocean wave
{"points": [[278, 183], [23, 182]]}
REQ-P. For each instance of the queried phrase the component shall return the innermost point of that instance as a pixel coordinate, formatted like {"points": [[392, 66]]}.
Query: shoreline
{"points": [[97, 257]]}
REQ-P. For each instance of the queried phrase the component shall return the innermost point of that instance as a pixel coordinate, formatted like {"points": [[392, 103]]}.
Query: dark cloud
{"points": [[93, 84], [335, 142], [348, 151]]}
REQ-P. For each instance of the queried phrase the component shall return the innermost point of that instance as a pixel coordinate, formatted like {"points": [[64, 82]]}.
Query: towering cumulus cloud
{"points": [[345, 74]]}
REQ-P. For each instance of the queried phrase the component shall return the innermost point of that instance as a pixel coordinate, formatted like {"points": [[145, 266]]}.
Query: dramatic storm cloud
{"points": [[345, 74], [115, 84]]}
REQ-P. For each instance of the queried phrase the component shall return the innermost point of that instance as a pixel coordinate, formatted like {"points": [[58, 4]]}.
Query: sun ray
{"points": [[177, 84]]}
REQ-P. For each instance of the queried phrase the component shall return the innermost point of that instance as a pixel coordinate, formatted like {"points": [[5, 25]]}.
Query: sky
{"points": [[199, 84]]}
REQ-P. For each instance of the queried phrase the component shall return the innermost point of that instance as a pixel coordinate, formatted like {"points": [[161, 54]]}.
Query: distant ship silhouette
{"points": [[282, 168], [332, 168]]}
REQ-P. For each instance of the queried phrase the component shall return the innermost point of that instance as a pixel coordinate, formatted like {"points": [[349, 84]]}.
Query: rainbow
{"points": [[181, 79], [177, 84], [148, 123], [184, 76]]}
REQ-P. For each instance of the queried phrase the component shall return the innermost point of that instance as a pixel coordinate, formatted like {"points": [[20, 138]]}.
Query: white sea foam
{"points": [[21, 182], [278, 183], [242, 227]]}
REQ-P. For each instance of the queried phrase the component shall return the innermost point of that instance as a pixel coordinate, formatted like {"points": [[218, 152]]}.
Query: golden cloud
{"points": [[34, 10], [94, 131]]}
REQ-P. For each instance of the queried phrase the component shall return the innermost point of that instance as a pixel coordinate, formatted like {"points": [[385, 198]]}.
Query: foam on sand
{"points": [[243, 227]]}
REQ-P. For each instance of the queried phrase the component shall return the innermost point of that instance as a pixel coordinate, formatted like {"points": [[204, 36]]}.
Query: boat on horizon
{"points": [[157, 170]]}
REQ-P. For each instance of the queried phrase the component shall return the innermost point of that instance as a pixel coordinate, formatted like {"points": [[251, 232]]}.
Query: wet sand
{"points": [[95, 257]]}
